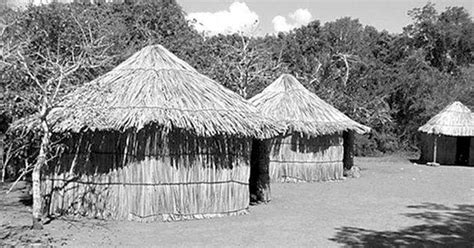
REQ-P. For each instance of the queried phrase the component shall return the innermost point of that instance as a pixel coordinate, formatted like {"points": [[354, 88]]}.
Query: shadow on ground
{"points": [[15, 219], [444, 226]]}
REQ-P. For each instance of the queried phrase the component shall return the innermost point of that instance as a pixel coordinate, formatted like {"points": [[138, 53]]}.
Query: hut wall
{"points": [[296, 158], [147, 176], [446, 149], [426, 147], [447, 146]]}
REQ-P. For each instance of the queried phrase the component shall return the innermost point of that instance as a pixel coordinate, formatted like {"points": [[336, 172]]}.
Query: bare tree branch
{"points": [[30, 74], [28, 168]]}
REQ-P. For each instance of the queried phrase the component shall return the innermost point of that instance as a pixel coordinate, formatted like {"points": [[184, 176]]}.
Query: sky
{"points": [[260, 17]]}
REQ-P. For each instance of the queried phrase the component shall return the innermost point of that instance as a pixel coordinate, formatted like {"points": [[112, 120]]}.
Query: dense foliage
{"points": [[390, 82]]}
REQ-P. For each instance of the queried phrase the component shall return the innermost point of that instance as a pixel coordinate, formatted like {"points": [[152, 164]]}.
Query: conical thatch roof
{"points": [[454, 120], [154, 86], [289, 102]]}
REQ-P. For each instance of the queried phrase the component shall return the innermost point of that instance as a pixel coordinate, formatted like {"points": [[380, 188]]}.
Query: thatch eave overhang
{"points": [[265, 128]]}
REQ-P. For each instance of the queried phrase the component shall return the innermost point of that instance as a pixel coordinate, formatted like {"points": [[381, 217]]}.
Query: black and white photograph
{"points": [[236, 123]]}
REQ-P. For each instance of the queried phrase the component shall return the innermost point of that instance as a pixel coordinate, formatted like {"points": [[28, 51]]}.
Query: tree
{"points": [[446, 38], [50, 48], [239, 62]]}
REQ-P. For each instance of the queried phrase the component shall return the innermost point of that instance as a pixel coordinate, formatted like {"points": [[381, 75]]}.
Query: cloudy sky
{"points": [[269, 16]]}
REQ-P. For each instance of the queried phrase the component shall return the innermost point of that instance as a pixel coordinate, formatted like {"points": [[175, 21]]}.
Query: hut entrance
{"points": [[462, 150], [259, 181]]}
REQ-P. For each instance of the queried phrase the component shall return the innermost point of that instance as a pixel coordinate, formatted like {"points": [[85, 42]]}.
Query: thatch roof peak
{"points": [[155, 87], [457, 106], [285, 83], [454, 120], [155, 57], [289, 102]]}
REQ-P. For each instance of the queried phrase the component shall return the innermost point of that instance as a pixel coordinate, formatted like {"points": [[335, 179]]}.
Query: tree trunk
{"points": [[36, 174], [2, 162], [37, 199], [259, 172], [348, 159]]}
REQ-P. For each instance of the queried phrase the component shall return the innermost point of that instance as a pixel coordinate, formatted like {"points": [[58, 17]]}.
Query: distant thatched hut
{"points": [[153, 139], [448, 137], [311, 148]]}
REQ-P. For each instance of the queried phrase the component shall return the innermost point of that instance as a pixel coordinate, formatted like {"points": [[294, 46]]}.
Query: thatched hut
{"points": [[312, 146], [152, 139], [448, 137]]}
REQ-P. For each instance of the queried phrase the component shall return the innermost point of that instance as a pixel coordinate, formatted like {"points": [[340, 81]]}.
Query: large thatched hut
{"points": [[312, 146], [448, 137], [152, 139]]}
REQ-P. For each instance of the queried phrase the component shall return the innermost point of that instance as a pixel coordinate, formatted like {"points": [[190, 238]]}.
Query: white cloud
{"points": [[280, 24], [298, 18], [239, 18], [301, 16]]}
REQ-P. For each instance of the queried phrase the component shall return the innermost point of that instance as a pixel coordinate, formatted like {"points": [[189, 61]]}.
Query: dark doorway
{"points": [[259, 181], [462, 150], [348, 158]]}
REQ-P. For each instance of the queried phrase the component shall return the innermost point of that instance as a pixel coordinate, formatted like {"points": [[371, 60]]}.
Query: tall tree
{"points": [[446, 38], [50, 49]]}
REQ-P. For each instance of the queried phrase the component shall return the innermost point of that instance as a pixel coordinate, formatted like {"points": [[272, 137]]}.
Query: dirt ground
{"points": [[394, 203]]}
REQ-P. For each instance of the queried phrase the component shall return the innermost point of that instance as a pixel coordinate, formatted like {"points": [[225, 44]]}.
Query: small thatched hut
{"points": [[311, 147], [152, 139], [448, 137]]}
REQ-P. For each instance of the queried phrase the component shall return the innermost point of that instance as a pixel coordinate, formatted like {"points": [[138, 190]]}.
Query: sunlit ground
{"points": [[394, 203]]}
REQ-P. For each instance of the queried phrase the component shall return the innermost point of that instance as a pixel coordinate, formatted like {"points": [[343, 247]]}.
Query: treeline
{"points": [[390, 82]]}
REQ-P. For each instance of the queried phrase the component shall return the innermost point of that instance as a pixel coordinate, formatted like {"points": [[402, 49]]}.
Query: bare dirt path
{"points": [[394, 203]]}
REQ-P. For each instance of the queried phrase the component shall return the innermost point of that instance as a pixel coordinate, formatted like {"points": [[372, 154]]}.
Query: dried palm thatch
{"points": [[454, 120], [313, 148], [154, 86], [289, 102]]}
